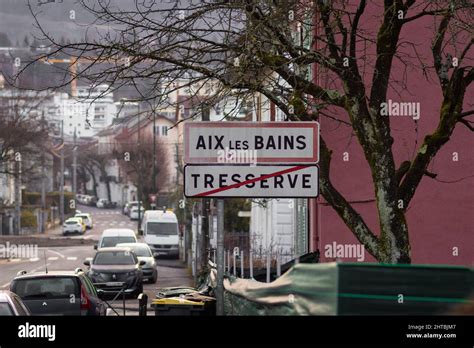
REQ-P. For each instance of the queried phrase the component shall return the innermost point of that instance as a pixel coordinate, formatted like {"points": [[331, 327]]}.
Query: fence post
{"points": [[142, 304], [278, 264], [268, 265], [234, 255], [251, 263], [242, 275]]}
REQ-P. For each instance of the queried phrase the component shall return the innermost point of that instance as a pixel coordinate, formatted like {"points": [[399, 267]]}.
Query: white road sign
{"points": [[251, 181], [251, 142]]}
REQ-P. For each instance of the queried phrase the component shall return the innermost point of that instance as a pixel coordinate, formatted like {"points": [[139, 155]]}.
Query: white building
{"points": [[91, 111]]}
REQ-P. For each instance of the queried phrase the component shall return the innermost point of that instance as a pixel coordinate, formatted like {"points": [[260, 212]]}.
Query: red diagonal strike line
{"points": [[263, 177]]}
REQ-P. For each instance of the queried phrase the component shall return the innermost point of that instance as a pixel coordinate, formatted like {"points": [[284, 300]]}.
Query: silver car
{"points": [[11, 304], [143, 252]]}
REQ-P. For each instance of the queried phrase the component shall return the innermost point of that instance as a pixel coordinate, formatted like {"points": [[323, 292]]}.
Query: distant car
{"points": [[116, 269], [105, 203], [91, 201], [101, 203], [143, 252], [86, 218], [58, 293], [129, 205], [79, 197], [74, 225], [134, 213], [12, 305], [113, 236]]}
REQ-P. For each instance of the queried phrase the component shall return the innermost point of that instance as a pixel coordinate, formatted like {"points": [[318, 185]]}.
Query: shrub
{"points": [[28, 219]]}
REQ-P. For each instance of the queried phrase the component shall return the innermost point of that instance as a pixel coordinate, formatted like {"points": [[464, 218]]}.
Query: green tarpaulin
{"points": [[353, 289]]}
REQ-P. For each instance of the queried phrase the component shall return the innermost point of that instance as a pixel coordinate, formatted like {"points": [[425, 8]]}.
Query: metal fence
{"points": [[262, 265]]}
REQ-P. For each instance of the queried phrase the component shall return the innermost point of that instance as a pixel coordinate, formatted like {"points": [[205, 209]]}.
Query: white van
{"points": [[113, 236], [161, 232]]}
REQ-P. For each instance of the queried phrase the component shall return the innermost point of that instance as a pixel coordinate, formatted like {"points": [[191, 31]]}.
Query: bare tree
{"points": [[269, 47], [92, 161], [23, 137], [137, 162]]}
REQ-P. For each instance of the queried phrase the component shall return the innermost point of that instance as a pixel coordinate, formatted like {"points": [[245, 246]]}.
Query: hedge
{"points": [[28, 219]]}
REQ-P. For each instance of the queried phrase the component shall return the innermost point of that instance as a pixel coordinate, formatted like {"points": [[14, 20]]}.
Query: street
{"points": [[171, 272]]}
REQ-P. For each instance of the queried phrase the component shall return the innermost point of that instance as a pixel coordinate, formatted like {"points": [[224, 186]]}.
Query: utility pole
{"points": [[204, 232], [18, 194], [220, 258], [74, 169], [43, 184], [139, 188], [61, 176], [154, 156], [204, 246]]}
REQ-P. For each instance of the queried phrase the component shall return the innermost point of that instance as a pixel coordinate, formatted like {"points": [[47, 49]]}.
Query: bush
{"points": [[31, 198], [28, 219], [53, 198]]}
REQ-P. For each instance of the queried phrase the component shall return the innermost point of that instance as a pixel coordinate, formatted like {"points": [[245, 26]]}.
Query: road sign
{"points": [[268, 181], [251, 142]]}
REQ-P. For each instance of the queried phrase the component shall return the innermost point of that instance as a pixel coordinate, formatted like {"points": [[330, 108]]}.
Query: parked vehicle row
{"points": [[106, 204], [86, 199]]}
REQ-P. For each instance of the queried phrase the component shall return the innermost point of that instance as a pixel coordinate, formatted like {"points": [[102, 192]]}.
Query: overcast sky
{"points": [[16, 20]]}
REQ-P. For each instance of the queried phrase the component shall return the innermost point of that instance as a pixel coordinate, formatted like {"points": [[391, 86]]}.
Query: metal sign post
{"points": [[220, 258], [248, 159]]}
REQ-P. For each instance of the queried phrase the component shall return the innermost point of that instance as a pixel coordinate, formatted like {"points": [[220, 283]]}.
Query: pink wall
{"points": [[440, 216]]}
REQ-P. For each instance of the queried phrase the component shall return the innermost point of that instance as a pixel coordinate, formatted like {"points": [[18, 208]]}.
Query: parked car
{"points": [[143, 252], [134, 213], [105, 203], [91, 201], [86, 218], [101, 203], [129, 205], [74, 225], [113, 236], [12, 305], [58, 293], [116, 269]]}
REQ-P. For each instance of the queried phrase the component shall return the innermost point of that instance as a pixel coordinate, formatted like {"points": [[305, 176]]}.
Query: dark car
{"points": [[117, 269], [58, 293], [12, 305]]}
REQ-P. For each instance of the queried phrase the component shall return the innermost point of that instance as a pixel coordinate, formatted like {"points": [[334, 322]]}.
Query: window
{"points": [[46, 287], [162, 228], [20, 307], [164, 131], [218, 110], [5, 309], [114, 258]]}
